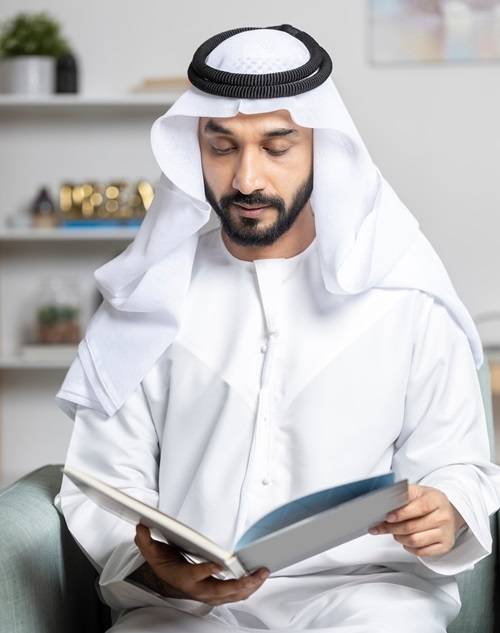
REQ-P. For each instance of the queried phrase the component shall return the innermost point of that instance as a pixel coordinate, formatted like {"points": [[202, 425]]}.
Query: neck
{"points": [[293, 242]]}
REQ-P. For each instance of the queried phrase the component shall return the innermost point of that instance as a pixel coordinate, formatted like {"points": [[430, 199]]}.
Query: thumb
{"points": [[156, 552], [142, 536], [143, 540]]}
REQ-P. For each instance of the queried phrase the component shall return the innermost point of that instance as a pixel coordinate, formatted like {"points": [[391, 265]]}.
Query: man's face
{"points": [[256, 160]]}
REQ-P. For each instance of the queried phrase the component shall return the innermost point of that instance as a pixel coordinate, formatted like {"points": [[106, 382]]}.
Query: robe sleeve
{"points": [[122, 450], [444, 438]]}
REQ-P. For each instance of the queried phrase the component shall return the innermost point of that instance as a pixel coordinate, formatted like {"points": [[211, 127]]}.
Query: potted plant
{"points": [[29, 47]]}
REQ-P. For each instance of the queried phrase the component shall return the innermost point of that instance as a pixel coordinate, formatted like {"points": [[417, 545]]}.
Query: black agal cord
{"points": [[285, 83]]}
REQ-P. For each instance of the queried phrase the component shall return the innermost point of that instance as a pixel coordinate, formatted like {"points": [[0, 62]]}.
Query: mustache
{"points": [[253, 200]]}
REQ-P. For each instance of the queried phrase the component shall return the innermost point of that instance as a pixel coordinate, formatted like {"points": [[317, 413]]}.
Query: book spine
{"points": [[235, 567]]}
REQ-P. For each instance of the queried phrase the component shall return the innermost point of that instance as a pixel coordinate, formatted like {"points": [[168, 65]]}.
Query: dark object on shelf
{"points": [[43, 210], [66, 74]]}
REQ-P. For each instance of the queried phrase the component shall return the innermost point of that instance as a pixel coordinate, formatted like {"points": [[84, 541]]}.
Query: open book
{"points": [[290, 533]]}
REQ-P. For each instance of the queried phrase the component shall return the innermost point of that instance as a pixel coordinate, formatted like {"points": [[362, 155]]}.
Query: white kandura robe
{"points": [[275, 388]]}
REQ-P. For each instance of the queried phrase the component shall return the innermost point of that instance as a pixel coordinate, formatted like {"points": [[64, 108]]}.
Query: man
{"points": [[313, 339]]}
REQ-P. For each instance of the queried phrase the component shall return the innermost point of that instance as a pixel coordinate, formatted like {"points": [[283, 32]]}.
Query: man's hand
{"points": [[180, 579], [427, 525]]}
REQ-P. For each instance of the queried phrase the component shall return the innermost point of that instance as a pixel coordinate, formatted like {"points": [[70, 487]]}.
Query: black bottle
{"points": [[43, 211], [66, 73]]}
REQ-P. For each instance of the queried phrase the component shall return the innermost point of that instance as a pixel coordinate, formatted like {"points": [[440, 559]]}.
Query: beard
{"points": [[248, 231]]}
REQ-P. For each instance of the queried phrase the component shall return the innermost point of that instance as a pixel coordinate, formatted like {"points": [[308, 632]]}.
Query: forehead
{"points": [[250, 123]]}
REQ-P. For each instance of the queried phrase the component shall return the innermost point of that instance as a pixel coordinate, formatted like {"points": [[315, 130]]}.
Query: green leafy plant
{"points": [[51, 314], [32, 34]]}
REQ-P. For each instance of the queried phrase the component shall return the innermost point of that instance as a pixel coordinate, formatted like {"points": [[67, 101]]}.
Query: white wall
{"points": [[433, 130]]}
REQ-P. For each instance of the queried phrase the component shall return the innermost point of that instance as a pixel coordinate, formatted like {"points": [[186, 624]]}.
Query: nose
{"points": [[248, 176]]}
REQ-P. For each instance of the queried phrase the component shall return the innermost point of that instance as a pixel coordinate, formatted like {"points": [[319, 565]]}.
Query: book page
{"points": [[311, 504]]}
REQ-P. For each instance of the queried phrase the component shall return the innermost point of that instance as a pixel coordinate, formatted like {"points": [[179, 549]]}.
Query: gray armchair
{"points": [[47, 585], [46, 582]]}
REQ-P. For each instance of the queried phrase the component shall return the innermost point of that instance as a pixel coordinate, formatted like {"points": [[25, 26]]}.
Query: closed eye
{"points": [[272, 152]]}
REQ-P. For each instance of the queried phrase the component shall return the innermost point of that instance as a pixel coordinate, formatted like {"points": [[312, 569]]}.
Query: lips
{"points": [[251, 212], [254, 208]]}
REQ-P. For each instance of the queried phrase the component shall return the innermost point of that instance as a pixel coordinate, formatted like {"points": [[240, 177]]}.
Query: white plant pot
{"points": [[29, 74]]}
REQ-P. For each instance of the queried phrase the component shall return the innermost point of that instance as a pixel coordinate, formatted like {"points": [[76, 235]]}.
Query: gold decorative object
{"points": [[116, 202]]}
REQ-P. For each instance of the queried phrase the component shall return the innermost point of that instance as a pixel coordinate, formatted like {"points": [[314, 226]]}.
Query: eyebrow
{"points": [[212, 126]]}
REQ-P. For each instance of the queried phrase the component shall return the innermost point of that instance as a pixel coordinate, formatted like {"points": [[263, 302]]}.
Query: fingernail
{"points": [[390, 517], [264, 573], [373, 531]]}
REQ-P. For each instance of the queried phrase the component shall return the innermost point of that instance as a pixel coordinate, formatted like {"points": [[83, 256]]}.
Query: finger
{"points": [[216, 588], [226, 587], [426, 503], [170, 565], [155, 552], [220, 595], [427, 522], [420, 539], [143, 539], [414, 491], [143, 536], [437, 549], [203, 571]]}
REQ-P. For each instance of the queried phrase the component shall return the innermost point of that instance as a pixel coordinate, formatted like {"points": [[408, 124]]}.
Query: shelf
{"points": [[40, 356], [18, 362], [68, 234], [78, 101]]}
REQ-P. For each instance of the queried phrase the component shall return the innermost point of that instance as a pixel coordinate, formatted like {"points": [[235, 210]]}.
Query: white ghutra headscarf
{"points": [[366, 236]]}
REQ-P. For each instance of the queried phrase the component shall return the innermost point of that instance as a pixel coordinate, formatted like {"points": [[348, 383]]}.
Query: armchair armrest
{"points": [[46, 584]]}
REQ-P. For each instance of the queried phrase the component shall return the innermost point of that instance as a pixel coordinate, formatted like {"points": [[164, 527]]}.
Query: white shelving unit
{"points": [[119, 235], [67, 234], [115, 234], [18, 362], [13, 239], [78, 103], [79, 99], [50, 140]]}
